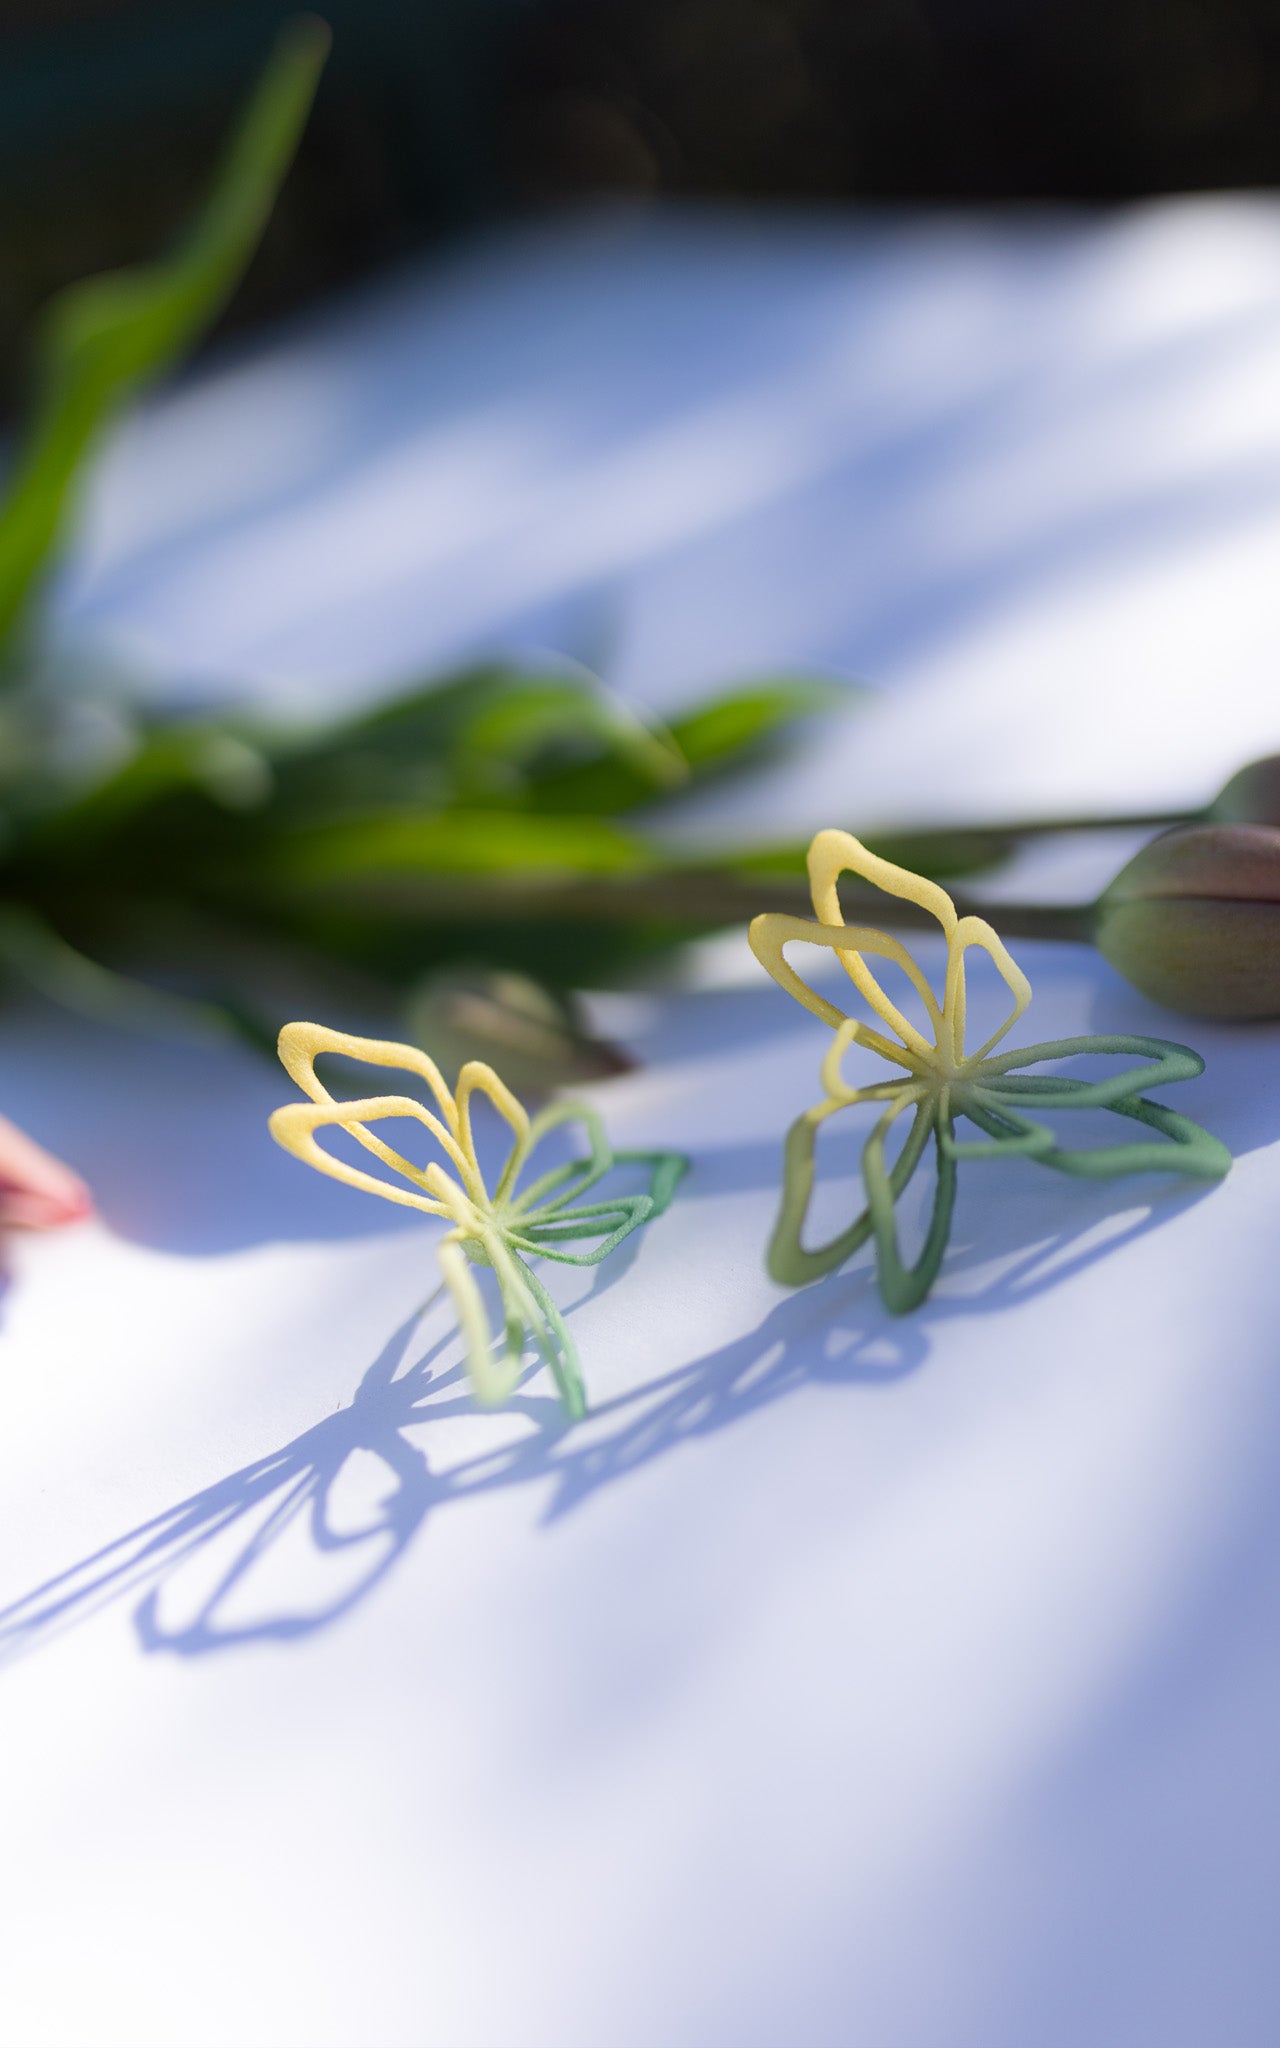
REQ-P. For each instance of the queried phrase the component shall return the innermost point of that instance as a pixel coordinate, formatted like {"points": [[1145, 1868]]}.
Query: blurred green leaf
{"points": [[38, 955], [208, 758], [439, 850], [482, 737], [501, 741], [725, 733], [724, 727], [944, 855], [103, 339], [398, 753], [948, 853], [460, 842]]}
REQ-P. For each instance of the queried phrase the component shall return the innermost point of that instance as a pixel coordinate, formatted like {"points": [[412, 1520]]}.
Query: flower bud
{"points": [[1251, 797], [539, 1039], [1194, 921]]}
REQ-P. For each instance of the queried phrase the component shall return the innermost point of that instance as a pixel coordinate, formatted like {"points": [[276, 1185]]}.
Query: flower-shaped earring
{"points": [[938, 1081], [501, 1230]]}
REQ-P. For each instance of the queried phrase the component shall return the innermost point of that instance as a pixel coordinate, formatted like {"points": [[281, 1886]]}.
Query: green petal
{"points": [[791, 1264], [531, 1312], [905, 1287], [562, 1183], [1165, 1062], [546, 1217], [573, 1226], [1190, 1149], [547, 1199], [1015, 1136]]}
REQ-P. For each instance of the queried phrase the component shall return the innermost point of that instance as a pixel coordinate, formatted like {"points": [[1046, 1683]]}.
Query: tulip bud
{"points": [[536, 1038], [1194, 920], [1251, 797]]}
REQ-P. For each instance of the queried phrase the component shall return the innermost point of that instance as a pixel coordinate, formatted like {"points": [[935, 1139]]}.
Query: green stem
{"points": [[37, 954], [994, 841], [1070, 922], [696, 899]]}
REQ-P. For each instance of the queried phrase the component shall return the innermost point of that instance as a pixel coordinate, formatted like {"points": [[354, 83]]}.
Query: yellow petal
{"points": [[300, 1045], [975, 931], [839, 1094], [295, 1126], [835, 853], [477, 1074], [774, 930]]}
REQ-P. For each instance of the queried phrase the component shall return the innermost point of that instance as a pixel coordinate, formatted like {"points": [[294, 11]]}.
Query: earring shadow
{"points": [[202, 1573]]}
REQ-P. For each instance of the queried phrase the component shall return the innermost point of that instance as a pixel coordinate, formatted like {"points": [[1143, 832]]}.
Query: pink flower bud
{"points": [[37, 1190]]}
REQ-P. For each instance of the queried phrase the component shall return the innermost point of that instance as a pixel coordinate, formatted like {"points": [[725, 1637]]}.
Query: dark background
{"points": [[437, 115]]}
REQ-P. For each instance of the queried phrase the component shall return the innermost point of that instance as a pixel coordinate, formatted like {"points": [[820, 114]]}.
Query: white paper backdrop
{"points": [[842, 1679]]}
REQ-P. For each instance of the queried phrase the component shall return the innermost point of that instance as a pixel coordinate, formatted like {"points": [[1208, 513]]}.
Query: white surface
{"points": [[842, 1681]]}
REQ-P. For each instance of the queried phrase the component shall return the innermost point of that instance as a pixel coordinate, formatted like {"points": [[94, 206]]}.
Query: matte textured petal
{"points": [[947, 1083], [790, 1263]]}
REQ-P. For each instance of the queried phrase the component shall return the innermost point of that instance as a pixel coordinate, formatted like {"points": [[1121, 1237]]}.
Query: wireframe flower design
{"points": [[501, 1229], [940, 1081]]}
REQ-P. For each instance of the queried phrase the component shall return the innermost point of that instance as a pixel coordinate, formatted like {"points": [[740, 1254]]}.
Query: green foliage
{"points": [[203, 873], [726, 733], [393, 845], [101, 341]]}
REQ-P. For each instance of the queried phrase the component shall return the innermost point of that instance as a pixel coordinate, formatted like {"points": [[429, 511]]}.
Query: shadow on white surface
{"points": [[173, 1138], [332, 1511]]}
